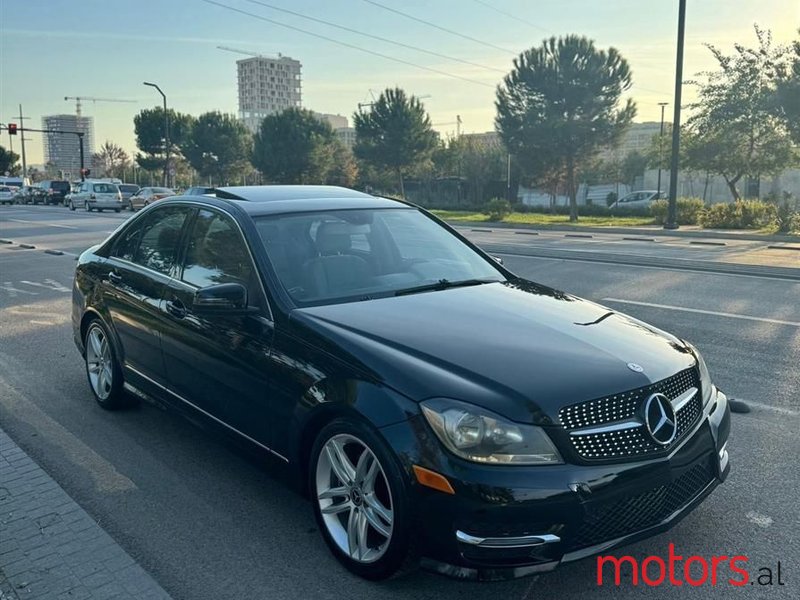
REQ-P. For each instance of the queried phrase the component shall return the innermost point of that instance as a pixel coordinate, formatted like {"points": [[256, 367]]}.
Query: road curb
{"points": [[643, 231], [51, 548], [789, 273]]}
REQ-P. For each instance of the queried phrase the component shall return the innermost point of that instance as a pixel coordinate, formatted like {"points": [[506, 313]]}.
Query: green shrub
{"points": [[497, 209], [689, 210], [743, 214]]}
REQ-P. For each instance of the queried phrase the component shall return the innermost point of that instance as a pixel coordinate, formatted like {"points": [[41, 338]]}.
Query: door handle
{"points": [[114, 277], [175, 308]]}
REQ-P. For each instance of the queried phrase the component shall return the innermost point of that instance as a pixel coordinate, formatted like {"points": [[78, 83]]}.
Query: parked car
{"points": [[96, 195], [54, 191], [430, 401], [7, 195], [127, 190], [638, 200], [199, 191], [147, 195], [24, 194]]}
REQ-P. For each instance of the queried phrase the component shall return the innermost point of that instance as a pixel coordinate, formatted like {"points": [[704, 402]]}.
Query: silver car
{"points": [[97, 195], [638, 200], [7, 195]]}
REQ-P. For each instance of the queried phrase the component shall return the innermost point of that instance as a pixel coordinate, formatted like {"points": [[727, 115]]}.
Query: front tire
{"points": [[102, 368], [71, 206], [360, 500]]}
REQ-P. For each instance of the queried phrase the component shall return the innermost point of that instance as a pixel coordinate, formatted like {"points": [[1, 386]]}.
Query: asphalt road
{"points": [[210, 521]]}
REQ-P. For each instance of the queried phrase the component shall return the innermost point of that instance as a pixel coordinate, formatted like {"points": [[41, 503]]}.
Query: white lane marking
{"points": [[49, 284], [105, 476], [13, 292], [761, 520], [45, 224], [704, 312]]}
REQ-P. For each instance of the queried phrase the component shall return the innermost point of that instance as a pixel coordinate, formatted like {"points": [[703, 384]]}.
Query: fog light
{"points": [[723, 457]]}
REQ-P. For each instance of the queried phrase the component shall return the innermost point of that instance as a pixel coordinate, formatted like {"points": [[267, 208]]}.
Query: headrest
{"points": [[333, 238]]}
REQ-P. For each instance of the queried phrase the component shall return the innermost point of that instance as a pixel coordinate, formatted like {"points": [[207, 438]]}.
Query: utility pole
{"points": [[672, 209], [166, 131], [22, 142], [660, 144]]}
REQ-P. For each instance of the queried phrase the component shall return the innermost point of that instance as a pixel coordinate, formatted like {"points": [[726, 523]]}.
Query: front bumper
{"points": [[506, 522]]}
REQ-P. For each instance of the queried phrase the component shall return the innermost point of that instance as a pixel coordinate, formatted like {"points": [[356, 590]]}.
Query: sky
{"points": [[50, 49]]}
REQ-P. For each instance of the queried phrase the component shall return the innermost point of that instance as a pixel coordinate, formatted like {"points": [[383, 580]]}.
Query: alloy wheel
{"points": [[354, 498], [99, 362]]}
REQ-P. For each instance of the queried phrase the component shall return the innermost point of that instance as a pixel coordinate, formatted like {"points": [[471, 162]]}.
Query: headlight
{"points": [[706, 385], [478, 435]]}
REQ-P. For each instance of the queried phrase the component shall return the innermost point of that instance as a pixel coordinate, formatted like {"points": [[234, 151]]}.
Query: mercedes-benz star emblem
{"points": [[635, 368], [659, 416]]}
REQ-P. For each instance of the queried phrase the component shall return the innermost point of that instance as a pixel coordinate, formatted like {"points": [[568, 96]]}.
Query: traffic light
{"points": [[85, 172], [12, 129]]}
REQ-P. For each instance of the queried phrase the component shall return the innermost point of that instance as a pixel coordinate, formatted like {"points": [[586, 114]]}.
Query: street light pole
{"points": [[672, 209], [660, 144], [166, 131]]}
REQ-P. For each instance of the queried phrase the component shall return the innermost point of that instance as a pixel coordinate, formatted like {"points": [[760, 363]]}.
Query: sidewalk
{"points": [[50, 548]]}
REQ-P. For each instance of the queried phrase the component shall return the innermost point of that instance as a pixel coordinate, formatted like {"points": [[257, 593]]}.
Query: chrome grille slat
{"points": [[605, 413]]}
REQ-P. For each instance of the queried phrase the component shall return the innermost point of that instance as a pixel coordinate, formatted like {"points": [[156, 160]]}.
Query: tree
{"points": [[111, 160], [560, 104], [150, 136], [396, 134], [8, 162], [632, 166], [218, 146], [345, 169], [788, 93], [294, 146], [734, 130]]}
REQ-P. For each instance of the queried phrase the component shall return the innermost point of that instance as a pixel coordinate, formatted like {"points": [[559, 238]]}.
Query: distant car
{"points": [[200, 191], [127, 190], [7, 195], [97, 195], [24, 194], [148, 195], [54, 191], [638, 200]]}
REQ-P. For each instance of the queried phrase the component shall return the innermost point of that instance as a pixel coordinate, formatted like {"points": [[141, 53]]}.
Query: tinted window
{"points": [[61, 186], [128, 189], [160, 237], [216, 252], [126, 244]]}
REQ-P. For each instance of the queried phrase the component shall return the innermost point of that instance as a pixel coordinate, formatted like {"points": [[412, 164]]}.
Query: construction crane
{"points": [[238, 51], [80, 99], [457, 123]]}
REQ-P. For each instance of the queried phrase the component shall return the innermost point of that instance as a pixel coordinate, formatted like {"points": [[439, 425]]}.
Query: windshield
{"points": [[128, 189], [161, 190], [346, 255]]}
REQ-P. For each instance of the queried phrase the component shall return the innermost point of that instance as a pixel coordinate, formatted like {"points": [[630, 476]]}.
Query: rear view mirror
{"points": [[227, 298]]}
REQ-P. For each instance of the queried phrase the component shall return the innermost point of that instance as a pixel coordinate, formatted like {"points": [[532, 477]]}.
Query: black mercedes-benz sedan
{"points": [[436, 408]]}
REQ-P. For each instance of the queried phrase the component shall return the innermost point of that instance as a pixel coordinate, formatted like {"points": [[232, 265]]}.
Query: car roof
{"points": [[273, 199]]}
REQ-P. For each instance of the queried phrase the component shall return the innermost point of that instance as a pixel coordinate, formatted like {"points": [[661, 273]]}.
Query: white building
{"points": [[63, 150], [267, 86], [336, 121], [346, 135]]}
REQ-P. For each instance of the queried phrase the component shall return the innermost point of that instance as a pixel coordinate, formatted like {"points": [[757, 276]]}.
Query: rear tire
{"points": [[360, 499], [103, 369]]}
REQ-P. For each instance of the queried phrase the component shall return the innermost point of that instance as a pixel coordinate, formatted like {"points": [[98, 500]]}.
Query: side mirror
{"points": [[222, 298], [498, 259]]}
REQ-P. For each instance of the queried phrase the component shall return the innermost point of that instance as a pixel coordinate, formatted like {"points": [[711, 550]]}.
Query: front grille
{"points": [[627, 406], [607, 521]]}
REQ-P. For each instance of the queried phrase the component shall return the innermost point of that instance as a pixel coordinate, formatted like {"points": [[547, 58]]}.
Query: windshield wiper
{"points": [[443, 284]]}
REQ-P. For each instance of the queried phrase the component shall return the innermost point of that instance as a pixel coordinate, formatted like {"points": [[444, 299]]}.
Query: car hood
{"points": [[516, 348]]}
